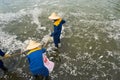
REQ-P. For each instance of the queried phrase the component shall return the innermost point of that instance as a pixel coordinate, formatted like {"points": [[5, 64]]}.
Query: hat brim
{"points": [[32, 45], [53, 18]]}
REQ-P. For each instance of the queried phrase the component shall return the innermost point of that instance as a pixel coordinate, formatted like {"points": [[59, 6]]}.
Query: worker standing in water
{"points": [[35, 55], [1, 62], [57, 22]]}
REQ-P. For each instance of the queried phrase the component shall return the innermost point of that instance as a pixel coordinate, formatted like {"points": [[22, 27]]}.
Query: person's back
{"points": [[35, 57], [36, 62]]}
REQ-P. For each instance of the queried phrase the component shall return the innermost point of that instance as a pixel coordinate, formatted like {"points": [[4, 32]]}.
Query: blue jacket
{"points": [[35, 58], [1, 53], [58, 27]]}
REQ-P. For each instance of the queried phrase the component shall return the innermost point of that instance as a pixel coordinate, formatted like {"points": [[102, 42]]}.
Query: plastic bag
{"points": [[48, 64]]}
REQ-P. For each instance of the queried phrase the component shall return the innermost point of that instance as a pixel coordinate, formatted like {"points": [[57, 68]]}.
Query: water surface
{"points": [[90, 44]]}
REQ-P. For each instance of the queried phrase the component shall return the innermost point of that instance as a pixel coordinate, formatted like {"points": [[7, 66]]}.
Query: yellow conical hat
{"points": [[33, 44], [53, 16]]}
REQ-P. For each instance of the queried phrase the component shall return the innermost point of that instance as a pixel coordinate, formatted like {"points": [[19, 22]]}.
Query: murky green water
{"points": [[90, 46]]}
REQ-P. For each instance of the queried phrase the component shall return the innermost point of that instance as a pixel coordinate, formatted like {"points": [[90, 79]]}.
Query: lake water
{"points": [[90, 44]]}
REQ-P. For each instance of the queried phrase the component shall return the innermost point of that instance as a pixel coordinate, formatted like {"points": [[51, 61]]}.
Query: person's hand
{"points": [[7, 55], [52, 34]]}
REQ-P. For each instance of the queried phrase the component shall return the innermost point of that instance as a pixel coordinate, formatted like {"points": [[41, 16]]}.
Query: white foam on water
{"points": [[86, 16], [33, 13], [110, 27], [115, 26], [7, 17], [10, 42], [67, 66]]}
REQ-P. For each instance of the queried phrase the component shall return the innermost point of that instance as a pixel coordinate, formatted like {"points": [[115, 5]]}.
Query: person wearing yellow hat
{"points": [[35, 54], [57, 23]]}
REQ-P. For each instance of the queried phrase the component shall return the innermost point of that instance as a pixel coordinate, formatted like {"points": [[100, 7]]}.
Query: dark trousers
{"points": [[39, 77], [2, 66], [56, 39]]}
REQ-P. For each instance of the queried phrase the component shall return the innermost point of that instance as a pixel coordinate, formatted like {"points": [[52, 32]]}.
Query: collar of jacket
{"points": [[35, 49], [57, 22]]}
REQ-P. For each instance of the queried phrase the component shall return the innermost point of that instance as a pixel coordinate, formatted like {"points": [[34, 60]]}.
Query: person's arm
{"points": [[4, 54], [52, 34], [55, 31], [63, 21], [1, 53], [28, 59], [43, 50]]}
